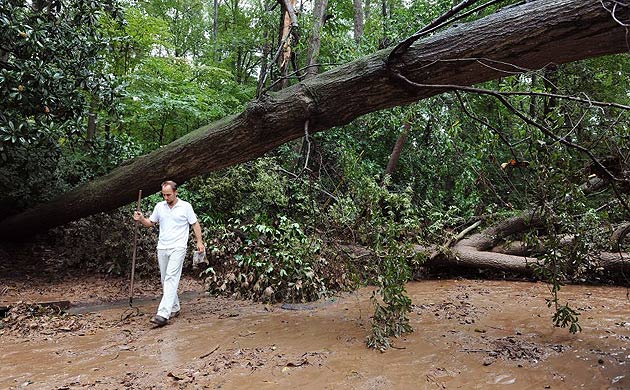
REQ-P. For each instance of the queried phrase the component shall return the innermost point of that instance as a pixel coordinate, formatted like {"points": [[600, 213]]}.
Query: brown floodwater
{"points": [[468, 334]]}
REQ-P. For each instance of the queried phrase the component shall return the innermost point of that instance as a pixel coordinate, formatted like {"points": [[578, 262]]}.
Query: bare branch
{"points": [[567, 97], [613, 11], [544, 129], [404, 45], [295, 176]]}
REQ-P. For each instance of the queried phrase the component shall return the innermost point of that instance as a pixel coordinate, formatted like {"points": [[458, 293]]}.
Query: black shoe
{"points": [[159, 321], [175, 314]]}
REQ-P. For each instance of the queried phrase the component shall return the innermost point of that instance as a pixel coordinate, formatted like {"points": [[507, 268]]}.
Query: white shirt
{"points": [[174, 223]]}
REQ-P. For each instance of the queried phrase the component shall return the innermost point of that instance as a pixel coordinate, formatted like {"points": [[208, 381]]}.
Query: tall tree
{"points": [[319, 15], [288, 34], [51, 73], [358, 20], [187, 21], [520, 37]]}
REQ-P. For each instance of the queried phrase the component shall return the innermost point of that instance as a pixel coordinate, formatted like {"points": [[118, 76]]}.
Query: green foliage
{"points": [[370, 214], [367, 210], [566, 316], [271, 262], [52, 76], [169, 97], [243, 191], [392, 307], [96, 157]]}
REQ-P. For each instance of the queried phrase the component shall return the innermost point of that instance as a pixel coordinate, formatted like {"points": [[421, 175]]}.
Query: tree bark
{"points": [[490, 250], [530, 35], [398, 147], [358, 20], [312, 60]]}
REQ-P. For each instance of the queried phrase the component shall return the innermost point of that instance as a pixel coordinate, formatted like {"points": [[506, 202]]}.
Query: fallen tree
{"points": [[515, 39], [495, 248]]}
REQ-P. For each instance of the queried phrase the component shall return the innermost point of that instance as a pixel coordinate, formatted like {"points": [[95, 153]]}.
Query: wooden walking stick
{"points": [[132, 309]]}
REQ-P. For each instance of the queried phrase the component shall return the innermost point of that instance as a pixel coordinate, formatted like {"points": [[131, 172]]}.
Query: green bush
{"points": [[272, 262]]}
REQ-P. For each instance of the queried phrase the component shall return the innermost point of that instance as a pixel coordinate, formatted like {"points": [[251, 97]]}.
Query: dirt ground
{"points": [[469, 334]]}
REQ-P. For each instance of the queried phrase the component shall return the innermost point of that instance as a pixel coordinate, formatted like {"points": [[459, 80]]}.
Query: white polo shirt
{"points": [[174, 223]]}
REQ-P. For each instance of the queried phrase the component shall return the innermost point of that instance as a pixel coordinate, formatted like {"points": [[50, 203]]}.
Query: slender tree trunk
{"points": [[550, 85], [4, 58], [385, 12], [91, 128], [238, 71], [532, 99], [312, 60], [530, 35], [264, 63], [358, 20], [395, 156]]}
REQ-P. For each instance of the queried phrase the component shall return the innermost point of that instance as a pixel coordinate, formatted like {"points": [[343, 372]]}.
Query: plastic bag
{"points": [[198, 258]]}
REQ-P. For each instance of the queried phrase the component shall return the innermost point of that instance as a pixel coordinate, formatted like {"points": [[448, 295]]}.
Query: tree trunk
{"points": [[530, 35], [312, 60], [491, 249], [400, 142], [288, 22], [264, 61], [91, 127], [358, 20]]}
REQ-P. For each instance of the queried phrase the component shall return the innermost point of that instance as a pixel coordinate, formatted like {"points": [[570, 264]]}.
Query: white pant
{"points": [[171, 262]]}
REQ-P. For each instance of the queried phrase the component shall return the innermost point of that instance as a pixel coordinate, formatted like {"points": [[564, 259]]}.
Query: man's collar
{"points": [[175, 205]]}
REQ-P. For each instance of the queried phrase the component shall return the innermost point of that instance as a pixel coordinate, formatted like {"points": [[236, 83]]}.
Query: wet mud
{"points": [[467, 335]]}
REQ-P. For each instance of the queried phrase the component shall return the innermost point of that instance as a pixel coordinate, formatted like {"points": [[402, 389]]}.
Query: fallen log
{"points": [[491, 249]]}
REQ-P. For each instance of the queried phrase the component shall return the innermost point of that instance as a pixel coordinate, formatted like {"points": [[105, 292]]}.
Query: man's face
{"points": [[169, 195]]}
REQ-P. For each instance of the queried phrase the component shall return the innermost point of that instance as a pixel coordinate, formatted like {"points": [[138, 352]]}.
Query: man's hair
{"points": [[170, 183]]}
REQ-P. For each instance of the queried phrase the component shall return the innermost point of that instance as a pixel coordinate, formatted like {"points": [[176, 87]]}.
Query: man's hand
{"points": [[197, 229], [138, 216]]}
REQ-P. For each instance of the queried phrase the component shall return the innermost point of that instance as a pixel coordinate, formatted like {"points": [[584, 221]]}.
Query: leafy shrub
{"points": [[273, 262], [104, 243], [391, 309]]}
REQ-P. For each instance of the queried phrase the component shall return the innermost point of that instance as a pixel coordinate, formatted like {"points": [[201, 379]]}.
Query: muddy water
{"points": [[468, 335]]}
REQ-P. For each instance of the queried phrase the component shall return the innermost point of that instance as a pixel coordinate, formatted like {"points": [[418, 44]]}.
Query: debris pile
{"points": [[26, 319]]}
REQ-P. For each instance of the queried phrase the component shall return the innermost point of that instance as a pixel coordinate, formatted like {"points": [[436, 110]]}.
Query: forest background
{"points": [[87, 86]]}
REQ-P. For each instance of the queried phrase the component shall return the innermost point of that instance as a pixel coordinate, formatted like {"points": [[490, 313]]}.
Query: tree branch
{"points": [[500, 96]]}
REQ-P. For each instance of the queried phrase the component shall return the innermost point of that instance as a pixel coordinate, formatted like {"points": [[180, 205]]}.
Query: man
{"points": [[174, 217]]}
